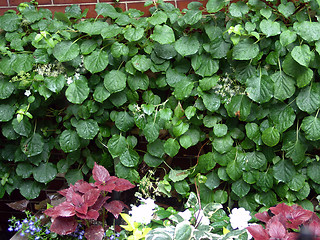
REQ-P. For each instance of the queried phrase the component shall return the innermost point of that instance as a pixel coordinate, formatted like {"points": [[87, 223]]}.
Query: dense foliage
{"points": [[234, 86]]}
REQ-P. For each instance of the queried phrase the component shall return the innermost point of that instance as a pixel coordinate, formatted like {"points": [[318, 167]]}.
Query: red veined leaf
{"points": [[107, 186], [64, 192], [82, 186], [83, 209], [264, 216], [258, 232], [77, 199], [298, 217], [276, 229], [115, 207], [100, 174], [314, 227], [281, 208], [91, 214], [91, 196], [99, 203], [292, 236], [123, 185], [65, 209], [64, 225], [94, 232]]}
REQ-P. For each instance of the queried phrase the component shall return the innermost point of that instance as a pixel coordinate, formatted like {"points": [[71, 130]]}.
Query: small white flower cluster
{"points": [[81, 66], [201, 219], [239, 219], [137, 110], [143, 213], [70, 80], [227, 87], [27, 93], [50, 70]]}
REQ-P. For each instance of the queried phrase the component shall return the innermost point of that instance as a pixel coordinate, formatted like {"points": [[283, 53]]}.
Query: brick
{"points": [[17, 2], [73, 1], [3, 10], [3, 3], [183, 4], [91, 13], [140, 6]]}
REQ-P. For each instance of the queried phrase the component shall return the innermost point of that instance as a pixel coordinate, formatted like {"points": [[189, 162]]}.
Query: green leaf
{"points": [[253, 133], [55, 84], [156, 148], [88, 46], [210, 100], [171, 147], [45, 172], [30, 189], [23, 63], [115, 81], [270, 28], [283, 85], [220, 130], [119, 49], [24, 169], [308, 99], [267, 199], [260, 88], [311, 126], [192, 16], [287, 37], [129, 158], [222, 144], [151, 131], [180, 128], [66, 51], [283, 116], [124, 121], [284, 171], [220, 196], [173, 77], [33, 146], [69, 141], [10, 22], [106, 10], [185, 141], [97, 61], [238, 9], [138, 81], [313, 171], [240, 188], [294, 146], [287, 9], [163, 34], [73, 175], [183, 231], [117, 145], [187, 45], [309, 31], [101, 93], [265, 181], [23, 127], [78, 91], [87, 129], [152, 161], [270, 136], [206, 162], [6, 88], [157, 18], [256, 160], [6, 112], [204, 65], [141, 63], [302, 54], [182, 187], [208, 83], [213, 180], [297, 183], [245, 50], [234, 170], [166, 113], [190, 112], [215, 5], [240, 106], [111, 31], [178, 175]]}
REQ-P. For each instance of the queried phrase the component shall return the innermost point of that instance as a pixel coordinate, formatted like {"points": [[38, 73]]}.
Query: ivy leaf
{"points": [[284, 171], [111, 31], [78, 91], [283, 85], [106, 10], [311, 126], [183, 231], [308, 99], [240, 105], [215, 6], [163, 34], [115, 81], [238, 9], [204, 65], [97, 61], [287, 37], [141, 63], [178, 175], [10, 22], [23, 63], [185, 141], [192, 16], [55, 84], [267, 199], [270, 136], [294, 147], [45, 172], [260, 88], [87, 129], [287, 9], [206, 163], [265, 181], [152, 161], [33, 146], [234, 170], [69, 141], [270, 28], [157, 18], [171, 147], [6, 112], [138, 81], [23, 127], [119, 49], [313, 171], [66, 51], [6, 88], [101, 93], [302, 54], [187, 45], [180, 128], [30, 189], [151, 131], [309, 31], [183, 89], [240, 188], [130, 158], [210, 100], [124, 121], [222, 144], [253, 133], [245, 50], [117, 145], [256, 160], [283, 116], [156, 148], [24, 169]]}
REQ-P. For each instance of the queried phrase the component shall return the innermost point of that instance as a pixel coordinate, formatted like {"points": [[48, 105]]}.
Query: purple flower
{"points": [[10, 229], [25, 220], [47, 231], [37, 238]]}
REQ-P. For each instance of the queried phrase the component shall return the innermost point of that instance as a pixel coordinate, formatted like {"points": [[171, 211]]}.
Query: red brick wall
{"points": [[59, 5]]}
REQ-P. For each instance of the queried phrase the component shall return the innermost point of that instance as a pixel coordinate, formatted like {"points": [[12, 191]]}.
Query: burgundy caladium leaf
{"points": [[258, 232], [276, 229], [115, 207], [94, 232], [91, 196], [100, 174], [64, 192], [263, 216], [314, 227], [91, 214], [281, 208], [123, 185], [65, 209], [82, 186], [99, 203], [298, 217], [64, 225]]}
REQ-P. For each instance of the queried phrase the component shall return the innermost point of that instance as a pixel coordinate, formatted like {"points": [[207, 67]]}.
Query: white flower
{"points": [[201, 218], [77, 76], [69, 80], [144, 213], [186, 215], [239, 218], [27, 93]]}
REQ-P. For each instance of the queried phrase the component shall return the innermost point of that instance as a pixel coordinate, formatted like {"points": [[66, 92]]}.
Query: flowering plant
{"points": [[84, 203], [283, 222]]}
